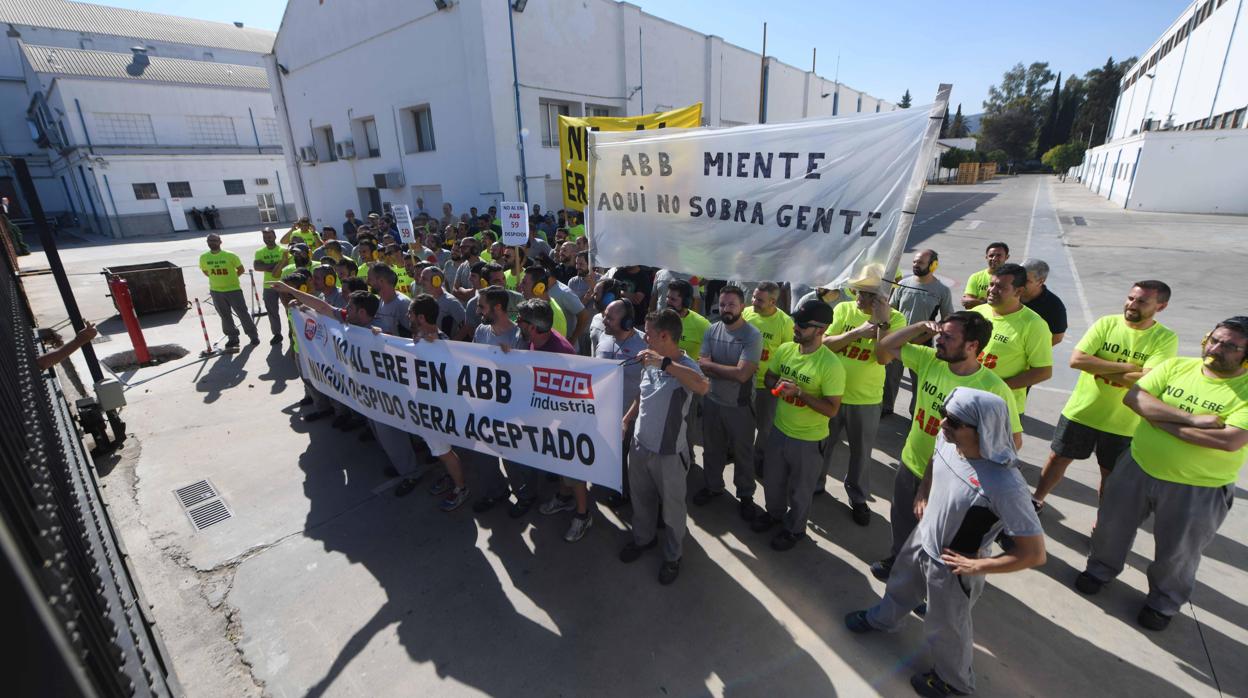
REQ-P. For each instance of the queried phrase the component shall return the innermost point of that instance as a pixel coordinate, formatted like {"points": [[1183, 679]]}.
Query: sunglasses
{"points": [[808, 325], [954, 421]]}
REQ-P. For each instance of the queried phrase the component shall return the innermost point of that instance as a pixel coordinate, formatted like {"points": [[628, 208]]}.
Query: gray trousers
{"points": [[790, 471], [693, 425], [1186, 519], [860, 424], [274, 308], [728, 429], [892, 384], [947, 625], [656, 479], [228, 304], [901, 514], [398, 447], [764, 416]]}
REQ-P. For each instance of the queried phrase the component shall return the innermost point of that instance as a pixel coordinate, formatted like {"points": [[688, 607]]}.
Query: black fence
{"points": [[76, 622]]}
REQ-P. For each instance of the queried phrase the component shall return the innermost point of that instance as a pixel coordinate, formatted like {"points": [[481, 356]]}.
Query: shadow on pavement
{"points": [[939, 209], [225, 371]]}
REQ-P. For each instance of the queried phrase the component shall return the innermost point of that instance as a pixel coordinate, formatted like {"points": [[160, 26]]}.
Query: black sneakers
{"points": [[704, 497], [632, 551], [881, 569], [1152, 619], [669, 572], [861, 513], [785, 540], [1088, 584]]}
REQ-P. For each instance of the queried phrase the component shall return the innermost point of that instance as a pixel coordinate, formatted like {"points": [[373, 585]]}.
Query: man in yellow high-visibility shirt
{"points": [[777, 328], [1184, 461], [977, 286], [270, 259], [1021, 348], [223, 269]]}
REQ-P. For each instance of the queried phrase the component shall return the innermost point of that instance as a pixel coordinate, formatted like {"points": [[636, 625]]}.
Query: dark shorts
{"points": [[1078, 441]]}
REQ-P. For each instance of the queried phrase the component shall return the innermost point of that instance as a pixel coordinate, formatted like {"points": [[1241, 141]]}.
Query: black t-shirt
{"points": [[641, 279], [1048, 306], [565, 272]]}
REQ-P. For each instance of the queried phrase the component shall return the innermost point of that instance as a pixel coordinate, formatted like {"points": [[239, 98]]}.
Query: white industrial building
{"points": [[128, 117], [1178, 139], [418, 99]]}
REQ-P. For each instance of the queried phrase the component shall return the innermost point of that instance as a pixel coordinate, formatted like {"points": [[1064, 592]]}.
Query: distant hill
{"points": [[972, 122]]}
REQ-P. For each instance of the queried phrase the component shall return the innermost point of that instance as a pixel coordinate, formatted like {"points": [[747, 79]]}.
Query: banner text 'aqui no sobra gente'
{"points": [[809, 202], [555, 412]]}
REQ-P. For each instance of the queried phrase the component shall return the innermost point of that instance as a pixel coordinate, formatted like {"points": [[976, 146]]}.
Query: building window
{"points": [[325, 144], [113, 128], [180, 190], [267, 208], [551, 111], [593, 110], [424, 129], [270, 134], [1238, 119], [234, 187], [212, 130], [145, 190], [370, 138]]}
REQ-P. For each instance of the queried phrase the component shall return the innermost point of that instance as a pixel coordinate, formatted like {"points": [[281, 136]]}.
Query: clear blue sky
{"points": [[886, 46]]}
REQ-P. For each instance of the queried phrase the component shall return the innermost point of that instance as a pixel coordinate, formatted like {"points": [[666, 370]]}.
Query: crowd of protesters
{"points": [[770, 377]]}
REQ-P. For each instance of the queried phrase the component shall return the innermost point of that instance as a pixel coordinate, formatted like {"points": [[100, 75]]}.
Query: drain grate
{"points": [[195, 493], [1080, 220], [209, 514]]}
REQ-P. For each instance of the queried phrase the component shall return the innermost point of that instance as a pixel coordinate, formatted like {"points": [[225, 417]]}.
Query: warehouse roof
{"points": [[99, 19], [124, 66]]}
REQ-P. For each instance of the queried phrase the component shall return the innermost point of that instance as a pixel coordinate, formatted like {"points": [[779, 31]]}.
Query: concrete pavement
{"points": [[323, 583]]}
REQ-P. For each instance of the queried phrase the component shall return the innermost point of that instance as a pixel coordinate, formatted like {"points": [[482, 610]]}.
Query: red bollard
{"points": [[207, 342], [125, 307]]}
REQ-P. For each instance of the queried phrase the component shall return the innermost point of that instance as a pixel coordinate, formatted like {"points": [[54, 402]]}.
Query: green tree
{"points": [[1047, 136], [1101, 89], [998, 156], [905, 101], [1021, 87], [944, 124], [1061, 158], [957, 125], [1012, 130], [1073, 94]]}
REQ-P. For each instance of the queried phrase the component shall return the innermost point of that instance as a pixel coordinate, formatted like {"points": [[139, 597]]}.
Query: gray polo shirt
{"points": [[922, 305], [567, 299], [451, 315], [393, 315], [613, 349], [971, 502], [485, 335], [727, 347], [663, 407]]}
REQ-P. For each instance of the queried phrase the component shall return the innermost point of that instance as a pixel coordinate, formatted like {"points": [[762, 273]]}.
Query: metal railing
{"points": [[80, 625]]}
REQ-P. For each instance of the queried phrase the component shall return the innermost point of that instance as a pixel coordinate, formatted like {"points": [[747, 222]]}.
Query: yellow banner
{"points": [[574, 143]]}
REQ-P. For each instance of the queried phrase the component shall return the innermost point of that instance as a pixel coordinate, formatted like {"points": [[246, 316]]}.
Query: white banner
{"points": [[557, 412], [403, 221], [808, 202], [515, 219]]}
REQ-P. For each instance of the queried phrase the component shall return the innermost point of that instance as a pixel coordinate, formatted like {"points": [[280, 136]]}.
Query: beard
{"points": [[729, 318], [1133, 315], [949, 356]]}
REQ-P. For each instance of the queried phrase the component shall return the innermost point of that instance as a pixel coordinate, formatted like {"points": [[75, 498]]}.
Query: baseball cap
{"points": [[813, 311], [299, 247]]}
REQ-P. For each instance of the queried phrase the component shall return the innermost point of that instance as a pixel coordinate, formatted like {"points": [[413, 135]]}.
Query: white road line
{"points": [[973, 225], [1031, 222], [1070, 259], [1051, 390]]}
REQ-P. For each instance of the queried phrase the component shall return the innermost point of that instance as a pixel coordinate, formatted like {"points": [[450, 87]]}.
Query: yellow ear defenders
{"points": [[436, 281], [303, 288], [931, 268], [331, 280], [483, 283], [539, 288]]}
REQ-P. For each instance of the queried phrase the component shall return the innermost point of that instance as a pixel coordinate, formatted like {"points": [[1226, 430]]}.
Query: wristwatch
{"points": [[667, 361]]}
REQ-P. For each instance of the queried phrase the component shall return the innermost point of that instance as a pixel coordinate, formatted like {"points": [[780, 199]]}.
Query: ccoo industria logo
{"points": [[559, 390], [309, 329]]}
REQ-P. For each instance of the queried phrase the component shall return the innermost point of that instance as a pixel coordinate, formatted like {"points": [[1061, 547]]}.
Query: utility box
{"points": [[154, 286]]}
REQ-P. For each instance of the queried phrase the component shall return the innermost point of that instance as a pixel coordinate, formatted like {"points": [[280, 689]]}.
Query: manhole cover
{"points": [[209, 514]]}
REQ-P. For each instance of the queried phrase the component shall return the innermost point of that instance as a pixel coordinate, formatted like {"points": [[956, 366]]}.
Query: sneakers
{"points": [[632, 551], [1152, 619], [520, 508], [1088, 584], [785, 540], [454, 499], [704, 497], [932, 686], [578, 528], [232, 343], [669, 572], [557, 504], [405, 488], [857, 622], [443, 485], [763, 522], [861, 513], [881, 569]]}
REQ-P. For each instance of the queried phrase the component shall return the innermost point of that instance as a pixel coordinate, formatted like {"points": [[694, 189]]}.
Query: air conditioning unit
{"points": [[388, 180], [345, 149], [1150, 125], [308, 153], [262, 181]]}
